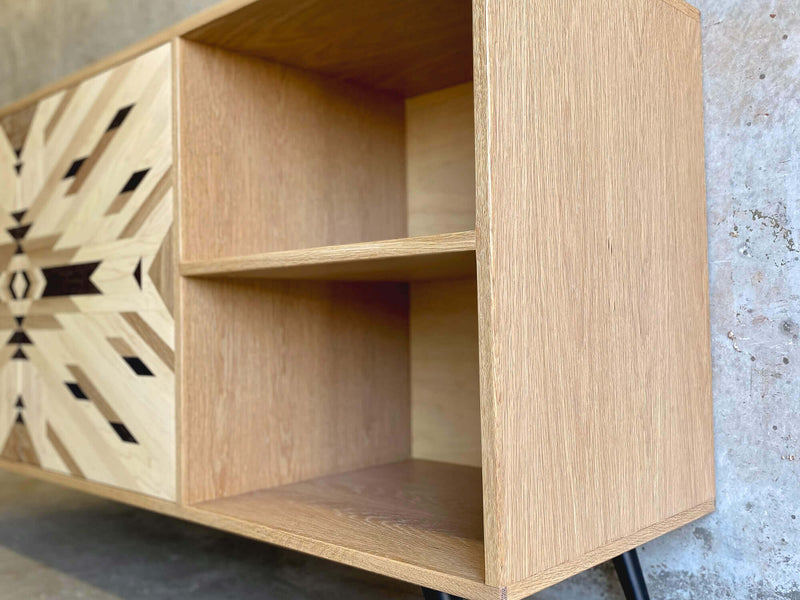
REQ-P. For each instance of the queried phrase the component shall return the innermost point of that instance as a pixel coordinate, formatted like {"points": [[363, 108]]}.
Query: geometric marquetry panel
{"points": [[86, 280]]}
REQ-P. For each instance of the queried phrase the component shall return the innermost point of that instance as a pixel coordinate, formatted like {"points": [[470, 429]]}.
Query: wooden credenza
{"points": [[418, 286]]}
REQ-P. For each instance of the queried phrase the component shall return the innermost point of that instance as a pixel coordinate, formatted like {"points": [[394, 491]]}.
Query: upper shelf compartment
{"points": [[321, 124], [405, 47]]}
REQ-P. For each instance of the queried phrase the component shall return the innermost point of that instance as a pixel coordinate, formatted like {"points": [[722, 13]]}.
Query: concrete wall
{"points": [[750, 547]]}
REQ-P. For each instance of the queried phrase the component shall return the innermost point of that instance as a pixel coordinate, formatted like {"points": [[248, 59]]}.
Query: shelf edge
{"points": [[415, 251]]}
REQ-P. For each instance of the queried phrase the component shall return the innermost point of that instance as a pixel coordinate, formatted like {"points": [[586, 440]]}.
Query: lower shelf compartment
{"points": [[417, 512]]}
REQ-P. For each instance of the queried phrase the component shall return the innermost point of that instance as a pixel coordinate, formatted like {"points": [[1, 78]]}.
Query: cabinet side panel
{"points": [[593, 276]]}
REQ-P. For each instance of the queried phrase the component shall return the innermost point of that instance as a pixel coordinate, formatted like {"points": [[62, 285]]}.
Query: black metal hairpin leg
{"points": [[630, 576], [628, 569], [434, 595]]}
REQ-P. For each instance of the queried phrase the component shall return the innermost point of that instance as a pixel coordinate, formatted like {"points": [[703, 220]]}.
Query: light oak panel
{"points": [[440, 151], [405, 47], [273, 158], [445, 395], [417, 512], [286, 381], [430, 257], [591, 246], [553, 575]]}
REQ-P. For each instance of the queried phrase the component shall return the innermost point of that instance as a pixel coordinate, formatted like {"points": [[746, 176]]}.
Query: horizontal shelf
{"points": [[419, 513], [449, 255]]}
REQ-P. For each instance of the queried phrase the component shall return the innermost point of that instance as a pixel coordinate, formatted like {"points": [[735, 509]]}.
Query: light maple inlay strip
{"points": [[159, 346], [162, 187], [59, 112], [63, 453]]}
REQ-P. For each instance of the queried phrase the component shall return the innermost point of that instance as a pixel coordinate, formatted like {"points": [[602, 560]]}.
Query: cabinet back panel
{"points": [[445, 399], [274, 158], [286, 381], [440, 150]]}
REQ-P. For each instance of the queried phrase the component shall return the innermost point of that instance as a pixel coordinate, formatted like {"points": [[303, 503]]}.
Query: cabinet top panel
{"points": [[407, 47]]}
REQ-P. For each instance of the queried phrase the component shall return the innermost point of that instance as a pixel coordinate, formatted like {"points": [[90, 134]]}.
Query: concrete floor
{"points": [[56, 543]]}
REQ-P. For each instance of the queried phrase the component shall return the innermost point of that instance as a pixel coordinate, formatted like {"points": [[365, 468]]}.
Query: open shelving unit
{"points": [[439, 281], [329, 243]]}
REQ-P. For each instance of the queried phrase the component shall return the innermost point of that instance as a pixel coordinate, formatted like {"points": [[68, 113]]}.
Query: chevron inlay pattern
{"points": [[86, 369]]}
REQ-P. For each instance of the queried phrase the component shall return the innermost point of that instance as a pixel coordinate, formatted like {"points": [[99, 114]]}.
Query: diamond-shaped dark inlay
{"points": [[24, 276], [18, 168], [19, 403], [19, 337], [134, 181], [76, 390], [75, 167], [138, 366], [119, 117], [19, 419], [123, 433]]}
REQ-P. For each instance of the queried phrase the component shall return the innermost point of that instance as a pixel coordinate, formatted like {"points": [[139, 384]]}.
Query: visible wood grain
{"points": [[164, 186], [163, 270], [160, 346], [16, 126], [286, 381], [544, 579], [298, 160], [591, 249], [440, 151], [421, 513], [18, 446], [445, 577], [445, 395], [177, 310], [430, 257], [407, 47], [64, 453]]}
